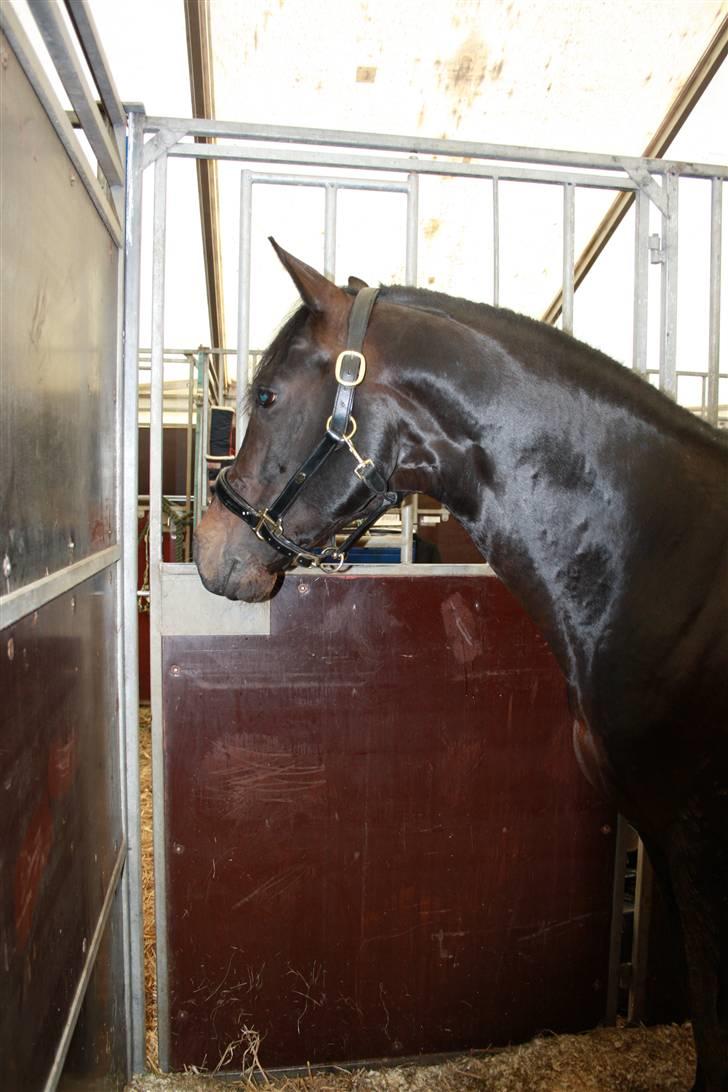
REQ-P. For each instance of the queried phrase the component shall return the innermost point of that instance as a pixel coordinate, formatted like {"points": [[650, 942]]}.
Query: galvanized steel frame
{"points": [[109, 146], [652, 181]]}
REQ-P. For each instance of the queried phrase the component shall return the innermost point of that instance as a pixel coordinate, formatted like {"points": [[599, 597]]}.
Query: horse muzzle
{"points": [[228, 568]]}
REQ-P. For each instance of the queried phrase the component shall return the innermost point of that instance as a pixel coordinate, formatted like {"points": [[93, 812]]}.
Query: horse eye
{"points": [[265, 397]]}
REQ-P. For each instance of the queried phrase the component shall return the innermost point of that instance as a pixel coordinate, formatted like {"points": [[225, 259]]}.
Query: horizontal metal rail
{"points": [[305, 157], [60, 45], [23, 50], [17, 604], [411, 145], [321, 181]]}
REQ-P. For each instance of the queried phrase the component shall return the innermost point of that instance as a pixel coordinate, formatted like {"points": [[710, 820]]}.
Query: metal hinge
{"points": [[657, 253]]}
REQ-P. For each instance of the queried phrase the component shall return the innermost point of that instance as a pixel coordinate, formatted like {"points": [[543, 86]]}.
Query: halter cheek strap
{"points": [[340, 429]]}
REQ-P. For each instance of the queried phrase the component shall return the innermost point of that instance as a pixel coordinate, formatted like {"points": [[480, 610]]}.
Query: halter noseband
{"points": [[340, 428]]}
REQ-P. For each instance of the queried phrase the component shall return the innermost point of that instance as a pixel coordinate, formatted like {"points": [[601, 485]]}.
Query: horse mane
{"points": [[555, 350]]}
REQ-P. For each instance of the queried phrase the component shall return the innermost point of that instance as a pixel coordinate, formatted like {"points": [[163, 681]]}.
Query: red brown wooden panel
{"points": [[60, 827], [379, 842]]}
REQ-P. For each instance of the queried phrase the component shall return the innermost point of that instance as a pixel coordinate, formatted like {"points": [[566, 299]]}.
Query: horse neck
{"points": [[538, 464]]}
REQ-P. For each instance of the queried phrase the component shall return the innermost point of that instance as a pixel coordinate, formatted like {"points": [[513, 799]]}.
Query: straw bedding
{"points": [[605, 1060]]}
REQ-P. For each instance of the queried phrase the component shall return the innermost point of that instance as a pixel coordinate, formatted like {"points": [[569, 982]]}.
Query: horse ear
{"points": [[317, 292], [357, 283]]}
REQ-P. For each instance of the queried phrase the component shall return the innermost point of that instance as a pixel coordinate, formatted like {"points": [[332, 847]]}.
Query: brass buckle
{"points": [[363, 465], [265, 520], [362, 368]]}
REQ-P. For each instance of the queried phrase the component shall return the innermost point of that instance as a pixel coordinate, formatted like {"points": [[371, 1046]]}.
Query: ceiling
{"points": [[590, 75]]}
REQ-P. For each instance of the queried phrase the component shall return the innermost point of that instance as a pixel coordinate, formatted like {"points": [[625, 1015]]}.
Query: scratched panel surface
{"points": [[59, 816], [379, 842]]}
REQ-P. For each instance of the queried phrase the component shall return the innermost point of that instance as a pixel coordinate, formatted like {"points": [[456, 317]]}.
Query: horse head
{"points": [[299, 457]]}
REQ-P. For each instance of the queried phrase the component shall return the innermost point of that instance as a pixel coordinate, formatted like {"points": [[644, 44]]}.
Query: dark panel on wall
{"points": [[174, 461], [379, 842], [59, 815]]}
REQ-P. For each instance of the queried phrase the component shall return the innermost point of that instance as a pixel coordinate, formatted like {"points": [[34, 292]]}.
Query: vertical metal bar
{"points": [[716, 217], [641, 271], [155, 562], [330, 231], [190, 454], [640, 943], [127, 524], [668, 319], [621, 847], [243, 376], [413, 212], [203, 443], [408, 509], [409, 526], [496, 244], [567, 281]]}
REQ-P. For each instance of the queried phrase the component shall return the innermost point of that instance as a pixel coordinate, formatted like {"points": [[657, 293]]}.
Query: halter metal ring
{"points": [[332, 563], [361, 372], [352, 422]]}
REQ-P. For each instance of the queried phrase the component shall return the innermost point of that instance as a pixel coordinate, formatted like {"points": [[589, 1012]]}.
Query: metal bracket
{"points": [[644, 181], [160, 144]]}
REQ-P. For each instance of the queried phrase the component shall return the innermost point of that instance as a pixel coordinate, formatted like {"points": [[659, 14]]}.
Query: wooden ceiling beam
{"points": [[199, 54]]}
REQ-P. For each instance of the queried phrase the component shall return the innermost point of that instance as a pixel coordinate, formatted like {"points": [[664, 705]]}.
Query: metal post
{"points": [[640, 942], [496, 244], [203, 443], [623, 839], [408, 510], [331, 191], [641, 270], [716, 215], [128, 608], [567, 282], [243, 379], [668, 319], [413, 203], [155, 562], [189, 451]]}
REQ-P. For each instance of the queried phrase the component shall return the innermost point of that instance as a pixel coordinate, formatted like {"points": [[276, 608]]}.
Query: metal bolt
{"points": [[7, 566], [177, 848], [304, 589], [73, 604], [71, 544], [175, 670]]}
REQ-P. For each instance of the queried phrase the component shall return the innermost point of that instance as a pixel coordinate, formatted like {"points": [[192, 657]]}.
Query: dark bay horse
{"points": [[599, 502]]}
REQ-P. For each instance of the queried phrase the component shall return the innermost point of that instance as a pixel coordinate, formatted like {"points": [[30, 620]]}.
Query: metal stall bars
{"points": [[180, 609], [72, 994], [331, 185]]}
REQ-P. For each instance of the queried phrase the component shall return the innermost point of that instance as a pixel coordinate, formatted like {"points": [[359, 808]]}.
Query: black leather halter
{"points": [[340, 428]]}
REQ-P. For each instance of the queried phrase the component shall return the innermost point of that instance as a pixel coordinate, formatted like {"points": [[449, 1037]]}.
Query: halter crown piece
{"points": [[339, 431]]}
